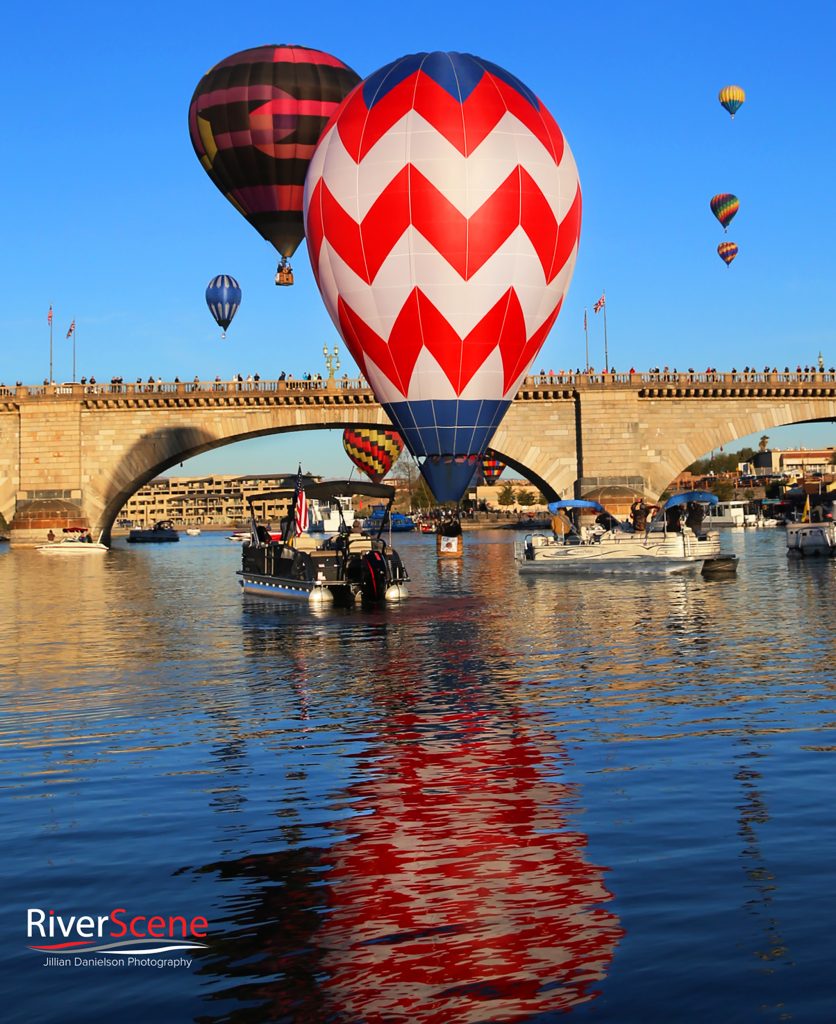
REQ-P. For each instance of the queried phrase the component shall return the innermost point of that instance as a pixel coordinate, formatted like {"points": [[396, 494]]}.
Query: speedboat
{"points": [[397, 522], [318, 569], [667, 545], [162, 532], [193, 531], [76, 541]]}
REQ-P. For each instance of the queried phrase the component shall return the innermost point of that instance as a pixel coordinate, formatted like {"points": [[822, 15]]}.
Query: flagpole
{"points": [[51, 317], [606, 353], [586, 332], [74, 333]]}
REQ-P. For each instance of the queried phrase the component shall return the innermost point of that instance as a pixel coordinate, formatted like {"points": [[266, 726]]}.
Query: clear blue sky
{"points": [[108, 215]]}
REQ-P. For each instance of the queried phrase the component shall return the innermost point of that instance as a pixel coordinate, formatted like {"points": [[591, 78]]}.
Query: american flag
{"points": [[599, 305], [71, 331], [49, 317], [301, 509]]}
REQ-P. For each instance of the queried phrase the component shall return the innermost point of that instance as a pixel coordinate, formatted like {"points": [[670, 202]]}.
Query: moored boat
{"points": [[162, 532], [193, 531], [811, 540], [669, 544], [323, 570]]}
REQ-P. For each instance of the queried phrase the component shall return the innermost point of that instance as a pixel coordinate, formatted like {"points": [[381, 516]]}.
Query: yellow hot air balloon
{"points": [[732, 97]]}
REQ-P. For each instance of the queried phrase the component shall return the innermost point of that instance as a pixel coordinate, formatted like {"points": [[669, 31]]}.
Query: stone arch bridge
{"points": [[87, 448]]}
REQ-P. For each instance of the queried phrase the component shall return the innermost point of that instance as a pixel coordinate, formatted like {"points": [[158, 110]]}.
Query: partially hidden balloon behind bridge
{"points": [[223, 297], [254, 121], [727, 252], [443, 212], [374, 451], [491, 469], [724, 206], [732, 97]]}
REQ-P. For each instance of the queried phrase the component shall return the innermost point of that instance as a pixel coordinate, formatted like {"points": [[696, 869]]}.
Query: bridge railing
{"points": [[353, 384]]}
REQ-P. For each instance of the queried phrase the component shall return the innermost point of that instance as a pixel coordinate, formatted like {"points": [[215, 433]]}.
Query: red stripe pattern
{"points": [[443, 214]]}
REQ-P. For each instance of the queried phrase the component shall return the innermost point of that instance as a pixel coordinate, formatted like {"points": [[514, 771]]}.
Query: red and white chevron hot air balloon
{"points": [[443, 210]]}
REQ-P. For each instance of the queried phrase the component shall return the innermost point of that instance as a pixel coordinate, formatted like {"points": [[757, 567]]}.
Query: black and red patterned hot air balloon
{"points": [[373, 451], [491, 469], [254, 121]]}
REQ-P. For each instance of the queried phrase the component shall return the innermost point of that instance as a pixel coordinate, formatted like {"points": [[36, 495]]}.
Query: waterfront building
{"points": [[216, 500]]}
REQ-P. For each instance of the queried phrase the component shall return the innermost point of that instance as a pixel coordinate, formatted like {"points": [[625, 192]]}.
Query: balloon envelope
{"points": [[724, 206], [443, 211], [732, 97], [491, 469], [223, 297], [254, 121], [373, 451], [727, 251]]}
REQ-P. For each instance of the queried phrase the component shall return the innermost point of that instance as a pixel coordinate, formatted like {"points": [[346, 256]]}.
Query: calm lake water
{"points": [[507, 800]]}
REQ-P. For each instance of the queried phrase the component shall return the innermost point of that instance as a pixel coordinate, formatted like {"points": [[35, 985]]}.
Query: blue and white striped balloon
{"points": [[223, 297]]}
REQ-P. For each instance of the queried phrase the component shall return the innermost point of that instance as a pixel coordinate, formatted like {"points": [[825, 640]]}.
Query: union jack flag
{"points": [[300, 513], [599, 305], [71, 331], [49, 317]]}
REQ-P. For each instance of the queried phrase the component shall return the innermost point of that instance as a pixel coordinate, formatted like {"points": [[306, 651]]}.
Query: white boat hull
{"points": [[63, 547], [655, 552], [814, 540]]}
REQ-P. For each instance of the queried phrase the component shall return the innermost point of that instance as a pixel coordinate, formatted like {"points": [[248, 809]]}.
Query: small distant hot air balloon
{"points": [[724, 206], [491, 469], [254, 121], [727, 252], [373, 451], [732, 97], [443, 213], [223, 297]]}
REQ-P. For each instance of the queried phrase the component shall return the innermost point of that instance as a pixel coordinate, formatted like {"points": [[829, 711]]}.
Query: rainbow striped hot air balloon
{"points": [[727, 252], [732, 97], [491, 469], [373, 451], [724, 206]]}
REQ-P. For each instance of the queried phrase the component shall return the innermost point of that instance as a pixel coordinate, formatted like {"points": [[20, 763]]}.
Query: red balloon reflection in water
{"points": [[461, 896]]}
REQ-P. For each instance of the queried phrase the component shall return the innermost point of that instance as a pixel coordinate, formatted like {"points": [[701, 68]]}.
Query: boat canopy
{"points": [[556, 506], [349, 489], [706, 497], [330, 489]]}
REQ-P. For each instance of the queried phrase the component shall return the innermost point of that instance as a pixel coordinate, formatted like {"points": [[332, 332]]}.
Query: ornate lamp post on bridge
{"points": [[332, 360]]}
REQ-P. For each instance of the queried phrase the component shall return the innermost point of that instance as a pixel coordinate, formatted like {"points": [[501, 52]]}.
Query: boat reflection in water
{"points": [[456, 890]]}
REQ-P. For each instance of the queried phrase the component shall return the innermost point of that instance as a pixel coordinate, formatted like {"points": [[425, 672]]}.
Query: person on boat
{"points": [[263, 534], [673, 519], [561, 524], [50, 536], [638, 514], [694, 516], [606, 520]]}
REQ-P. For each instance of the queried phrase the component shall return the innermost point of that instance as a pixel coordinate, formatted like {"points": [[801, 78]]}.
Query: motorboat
{"points": [[162, 532], [193, 531], [812, 540], [319, 569], [76, 541], [397, 522], [240, 536], [669, 544]]}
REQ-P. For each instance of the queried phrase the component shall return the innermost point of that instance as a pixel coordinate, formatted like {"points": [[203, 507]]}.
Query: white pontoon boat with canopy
{"points": [[670, 543]]}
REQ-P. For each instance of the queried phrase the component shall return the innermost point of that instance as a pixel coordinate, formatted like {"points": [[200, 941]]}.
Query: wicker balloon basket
{"points": [[449, 547]]}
